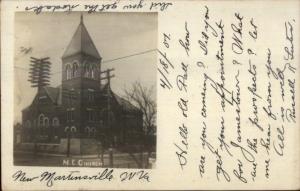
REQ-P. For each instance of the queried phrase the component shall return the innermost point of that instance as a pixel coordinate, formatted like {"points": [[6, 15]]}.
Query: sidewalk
{"points": [[120, 160], [106, 155]]}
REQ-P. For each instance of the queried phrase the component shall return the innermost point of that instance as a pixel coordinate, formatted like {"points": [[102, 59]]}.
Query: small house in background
{"points": [[81, 111], [17, 134]]}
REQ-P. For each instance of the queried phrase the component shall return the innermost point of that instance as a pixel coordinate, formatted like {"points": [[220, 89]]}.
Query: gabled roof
{"points": [[53, 93], [123, 103], [81, 42], [126, 105]]}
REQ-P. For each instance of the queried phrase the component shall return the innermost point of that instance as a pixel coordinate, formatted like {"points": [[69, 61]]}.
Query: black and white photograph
{"points": [[85, 89], [150, 95]]}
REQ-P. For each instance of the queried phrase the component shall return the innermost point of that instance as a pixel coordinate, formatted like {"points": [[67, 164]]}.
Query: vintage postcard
{"points": [[150, 95]]}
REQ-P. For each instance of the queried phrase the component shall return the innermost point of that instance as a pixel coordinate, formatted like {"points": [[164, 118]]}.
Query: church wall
{"points": [[81, 85], [30, 117]]}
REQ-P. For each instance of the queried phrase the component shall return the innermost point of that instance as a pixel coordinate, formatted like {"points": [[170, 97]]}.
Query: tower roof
{"points": [[81, 42]]}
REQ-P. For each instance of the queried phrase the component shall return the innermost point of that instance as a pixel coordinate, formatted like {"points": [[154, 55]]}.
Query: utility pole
{"points": [[39, 75], [108, 77]]}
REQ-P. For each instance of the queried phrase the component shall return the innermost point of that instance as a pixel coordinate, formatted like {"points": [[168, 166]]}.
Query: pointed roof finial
{"points": [[81, 42], [81, 18]]}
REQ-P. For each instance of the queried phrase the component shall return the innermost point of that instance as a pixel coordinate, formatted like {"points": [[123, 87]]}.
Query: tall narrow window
{"points": [[46, 122], [67, 129], [93, 132], [75, 70], [73, 129], [41, 120], [87, 71], [92, 72], [91, 94], [70, 114], [55, 122], [69, 72], [90, 114]]}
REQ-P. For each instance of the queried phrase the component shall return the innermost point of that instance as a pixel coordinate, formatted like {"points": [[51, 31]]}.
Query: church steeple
{"points": [[81, 42]]}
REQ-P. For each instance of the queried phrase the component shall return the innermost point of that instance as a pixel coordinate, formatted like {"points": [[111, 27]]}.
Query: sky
{"points": [[115, 35]]}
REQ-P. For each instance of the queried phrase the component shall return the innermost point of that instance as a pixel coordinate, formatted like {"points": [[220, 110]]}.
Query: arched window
{"points": [[73, 129], [75, 70], [87, 71], [46, 122], [92, 68], [55, 122], [93, 131], [69, 72], [67, 129], [41, 120]]}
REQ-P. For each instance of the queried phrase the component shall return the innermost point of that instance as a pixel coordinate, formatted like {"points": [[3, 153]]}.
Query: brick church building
{"points": [[82, 111]]}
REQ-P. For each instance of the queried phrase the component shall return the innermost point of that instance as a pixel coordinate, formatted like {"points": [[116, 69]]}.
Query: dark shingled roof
{"points": [[123, 103], [81, 42], [126, 105], [55, 94]]}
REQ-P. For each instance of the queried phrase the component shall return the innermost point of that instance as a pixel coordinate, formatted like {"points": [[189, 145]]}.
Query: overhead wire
{"points": [[106, 61]]}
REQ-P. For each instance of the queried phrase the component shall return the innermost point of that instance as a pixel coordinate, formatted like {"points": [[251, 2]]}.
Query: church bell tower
{"points": [[81, 68]]}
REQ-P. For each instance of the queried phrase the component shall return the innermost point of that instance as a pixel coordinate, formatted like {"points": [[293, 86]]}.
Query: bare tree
{"points": [[142, 97]]}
